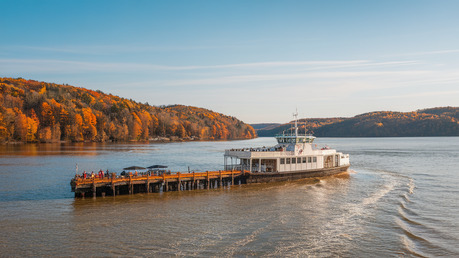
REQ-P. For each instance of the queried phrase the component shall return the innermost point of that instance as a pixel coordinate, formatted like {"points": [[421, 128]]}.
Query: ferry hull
{"points": [[286, 176]]}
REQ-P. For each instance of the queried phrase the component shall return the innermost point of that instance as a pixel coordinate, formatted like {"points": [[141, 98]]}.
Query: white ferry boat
{"points": [[294, 157]]}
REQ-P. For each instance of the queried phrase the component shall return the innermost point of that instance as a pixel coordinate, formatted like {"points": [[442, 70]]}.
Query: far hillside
{"points": [[265, 126], [309, 124], [441, 121]]}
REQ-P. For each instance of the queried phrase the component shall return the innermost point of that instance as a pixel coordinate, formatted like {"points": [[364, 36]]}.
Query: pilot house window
{"points": [[282, 161], [293, 160]]}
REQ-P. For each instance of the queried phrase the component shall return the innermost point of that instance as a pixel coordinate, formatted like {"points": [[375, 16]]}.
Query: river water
{"points": [[401, 198]]}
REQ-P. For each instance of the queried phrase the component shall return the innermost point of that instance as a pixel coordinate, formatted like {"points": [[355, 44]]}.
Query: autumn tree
{"points": [[32, 129], [89, 125], [47, 116], [77, 129], [136, 127], [20, 125], [146, 120]]}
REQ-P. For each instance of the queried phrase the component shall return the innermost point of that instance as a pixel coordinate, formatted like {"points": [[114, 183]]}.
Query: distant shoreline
{"points": [[167, 140], [153, 140]]}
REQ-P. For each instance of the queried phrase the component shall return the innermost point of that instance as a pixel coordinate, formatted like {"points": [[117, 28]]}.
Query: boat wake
{"points": [[346, 226], [248, 239], [411, 186], [416, 236], [351, 171]]}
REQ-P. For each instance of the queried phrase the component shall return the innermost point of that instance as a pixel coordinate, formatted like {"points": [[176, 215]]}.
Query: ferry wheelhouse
{"points": [[295, 156]]}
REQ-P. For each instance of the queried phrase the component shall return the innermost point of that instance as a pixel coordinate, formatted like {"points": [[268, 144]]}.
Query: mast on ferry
{"points": [[295, 115]]}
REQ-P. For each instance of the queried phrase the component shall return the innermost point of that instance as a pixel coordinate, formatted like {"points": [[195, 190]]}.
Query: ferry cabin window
{"points": [[309, 160], [314, 159], [304, 159], [298, 160], [288, 160], [293, 160], [282, 161]]}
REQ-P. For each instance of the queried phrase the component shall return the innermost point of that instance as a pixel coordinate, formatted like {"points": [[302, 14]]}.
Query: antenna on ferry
{"points": [[295, 115]]}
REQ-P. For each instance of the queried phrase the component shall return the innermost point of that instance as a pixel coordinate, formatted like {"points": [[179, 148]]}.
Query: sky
{"points": [[257, 60]]}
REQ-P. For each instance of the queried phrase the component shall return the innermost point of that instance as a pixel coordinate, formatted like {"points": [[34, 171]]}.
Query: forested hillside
{"points": [[310, 124], [441, 121], [265, 126], [32, 111]]}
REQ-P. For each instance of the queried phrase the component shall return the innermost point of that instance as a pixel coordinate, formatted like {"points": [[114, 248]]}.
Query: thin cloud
{"points": [[107, 49], [289, 76], [425, 53], [388, 78], [51, 65], [421, 94]]}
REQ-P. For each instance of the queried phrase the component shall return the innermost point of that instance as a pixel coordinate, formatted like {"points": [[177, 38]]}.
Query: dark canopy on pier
{"points": [[134, 168], [157, 166]]}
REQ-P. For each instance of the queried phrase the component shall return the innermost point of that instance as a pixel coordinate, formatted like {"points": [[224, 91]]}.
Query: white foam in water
{"points": [[407, 243], [374, 198], [246, 240], [411, 186], [407, 237], [351, 171]]}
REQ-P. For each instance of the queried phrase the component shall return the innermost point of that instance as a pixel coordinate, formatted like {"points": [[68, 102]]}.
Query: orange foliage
{"points": [[21, 126], [77, 114], [89, 125], [47, 114], [136, 129]]}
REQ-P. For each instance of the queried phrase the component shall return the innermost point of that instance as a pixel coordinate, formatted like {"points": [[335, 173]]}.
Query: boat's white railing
{"points": [[294, 135], [236, 153]]}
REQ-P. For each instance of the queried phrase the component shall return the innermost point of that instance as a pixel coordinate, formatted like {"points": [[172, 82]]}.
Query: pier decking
{"points": [[130, 184]]}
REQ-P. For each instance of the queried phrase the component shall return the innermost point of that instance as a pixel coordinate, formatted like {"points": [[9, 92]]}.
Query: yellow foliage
{"points": [[42, 90]]}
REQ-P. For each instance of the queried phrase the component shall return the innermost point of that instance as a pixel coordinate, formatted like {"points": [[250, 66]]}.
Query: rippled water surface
{"points": [[400, 198]]}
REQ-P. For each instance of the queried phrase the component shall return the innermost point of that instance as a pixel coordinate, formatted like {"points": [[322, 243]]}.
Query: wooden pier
{"points": [[131, 184]]}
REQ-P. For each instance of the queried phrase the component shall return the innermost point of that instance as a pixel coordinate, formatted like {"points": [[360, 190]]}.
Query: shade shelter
{"points": [[134, 168], [158, 169], [157, 166]]}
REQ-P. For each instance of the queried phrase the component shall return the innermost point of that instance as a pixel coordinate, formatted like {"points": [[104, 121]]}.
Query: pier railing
{"points": [[176, 176]]}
